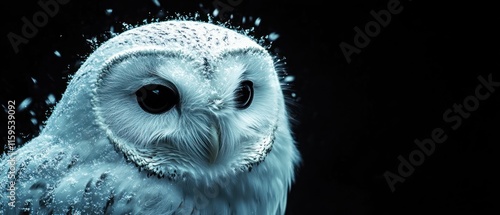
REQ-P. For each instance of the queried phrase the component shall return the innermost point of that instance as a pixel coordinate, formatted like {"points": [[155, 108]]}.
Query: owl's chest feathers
{"points": [[82, 179]]}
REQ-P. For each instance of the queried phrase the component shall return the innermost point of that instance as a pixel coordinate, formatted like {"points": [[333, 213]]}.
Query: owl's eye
{"points": [[156, 99], [244, 94]]}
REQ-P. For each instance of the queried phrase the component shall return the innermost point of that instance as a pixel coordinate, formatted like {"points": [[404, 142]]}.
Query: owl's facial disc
{"points": [[161, 110]]}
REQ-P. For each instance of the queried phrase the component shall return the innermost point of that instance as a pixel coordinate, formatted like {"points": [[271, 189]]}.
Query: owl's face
{"points": [[186, 98]]}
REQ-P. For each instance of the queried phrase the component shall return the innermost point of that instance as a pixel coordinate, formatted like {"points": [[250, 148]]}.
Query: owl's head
{"points": [[183, 98]]}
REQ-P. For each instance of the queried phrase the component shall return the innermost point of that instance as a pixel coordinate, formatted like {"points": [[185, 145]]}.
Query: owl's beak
{"points": [[215, 144]]}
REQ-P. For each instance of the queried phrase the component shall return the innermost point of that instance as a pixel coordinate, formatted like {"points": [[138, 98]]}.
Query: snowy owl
{"points": [[172, 117]]}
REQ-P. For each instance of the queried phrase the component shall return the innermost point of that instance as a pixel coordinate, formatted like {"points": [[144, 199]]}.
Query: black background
{"points": [[353, 119]]}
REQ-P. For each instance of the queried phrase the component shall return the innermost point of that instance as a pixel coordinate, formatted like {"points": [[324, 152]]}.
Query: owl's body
{"points": [[215, 139]]}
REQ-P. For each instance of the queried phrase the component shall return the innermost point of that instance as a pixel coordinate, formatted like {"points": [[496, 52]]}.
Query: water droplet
{"points": [[51, 99], [273, 36], [215, 12], [109, 11], [34, 121], [257, 21], [243, 20], [24, 104], [160, 14], [289, 78], [156, 2], [34, 80], [57, 53], [294, 95]]}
